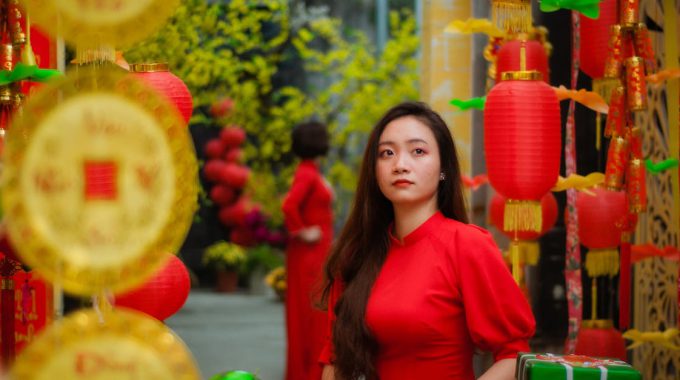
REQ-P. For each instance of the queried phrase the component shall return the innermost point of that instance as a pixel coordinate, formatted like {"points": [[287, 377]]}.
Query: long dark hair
{"points": [[361, 248]]}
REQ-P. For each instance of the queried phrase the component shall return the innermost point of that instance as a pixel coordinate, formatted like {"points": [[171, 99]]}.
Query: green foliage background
{"points": [[235, 50]]}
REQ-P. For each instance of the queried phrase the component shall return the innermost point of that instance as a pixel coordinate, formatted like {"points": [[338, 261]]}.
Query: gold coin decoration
{"points": [[118, 344], [101, 22], [100, 181]]}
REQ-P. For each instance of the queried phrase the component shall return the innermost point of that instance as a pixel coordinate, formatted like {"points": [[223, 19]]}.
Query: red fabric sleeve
{"points": [[499, 317], [327, 355], [300, 189]]}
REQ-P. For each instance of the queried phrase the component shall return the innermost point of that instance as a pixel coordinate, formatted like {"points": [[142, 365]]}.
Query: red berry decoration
{"points": [[214, 148], [233, 136]]}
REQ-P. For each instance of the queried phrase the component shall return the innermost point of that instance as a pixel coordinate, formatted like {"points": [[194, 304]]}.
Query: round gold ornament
{"points": [[100, 181], [101, 22], [118, 344]]}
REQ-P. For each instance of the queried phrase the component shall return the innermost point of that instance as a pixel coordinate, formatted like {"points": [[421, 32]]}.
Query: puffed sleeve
{"points": [[327, 356], [302, 185], [498, 315]]}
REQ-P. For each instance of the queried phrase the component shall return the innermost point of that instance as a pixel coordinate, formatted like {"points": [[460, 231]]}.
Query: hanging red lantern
{"points": [[158, 76], [599, 338], [163, 294], [548, 211], [595, 38], [522, 142], [510, 56]]}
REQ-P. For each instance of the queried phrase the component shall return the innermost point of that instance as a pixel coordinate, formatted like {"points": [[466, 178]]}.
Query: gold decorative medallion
{"points": [[100, 181], [101, 22], [119, 344]]}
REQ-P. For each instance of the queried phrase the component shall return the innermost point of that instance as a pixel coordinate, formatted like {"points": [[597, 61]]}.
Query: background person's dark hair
{"points": [[360, 250], [310, 140]]}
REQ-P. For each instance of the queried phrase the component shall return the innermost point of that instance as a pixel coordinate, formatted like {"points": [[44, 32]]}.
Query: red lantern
{"points": [[158, 76], [595, 38], [510, 58], [163, 294], [548, 210], [601, 216], [522, 142], [598, 338]]}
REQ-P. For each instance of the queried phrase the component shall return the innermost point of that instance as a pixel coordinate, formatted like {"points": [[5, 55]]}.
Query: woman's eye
{"points": [[385, 153], [418, 151]]}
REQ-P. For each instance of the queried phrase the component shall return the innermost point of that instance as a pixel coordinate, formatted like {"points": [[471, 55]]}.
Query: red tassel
{"points": [[624, 286]]}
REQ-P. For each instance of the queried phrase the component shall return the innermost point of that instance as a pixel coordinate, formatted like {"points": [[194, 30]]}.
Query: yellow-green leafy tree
{"points": [[235, 50]]}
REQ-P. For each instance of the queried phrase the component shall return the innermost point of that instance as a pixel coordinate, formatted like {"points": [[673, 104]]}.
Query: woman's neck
{"points": [[409, 217]]}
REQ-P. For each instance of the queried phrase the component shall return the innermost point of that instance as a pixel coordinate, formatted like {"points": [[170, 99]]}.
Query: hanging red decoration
{"points": [[522, 141], [163, 294], [548, 211], [601, 216], [158, 76], [599, 338], [595, 38], [510, 57]]}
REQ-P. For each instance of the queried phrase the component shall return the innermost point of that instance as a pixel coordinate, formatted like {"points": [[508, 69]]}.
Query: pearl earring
{"points": [[442, 176]]}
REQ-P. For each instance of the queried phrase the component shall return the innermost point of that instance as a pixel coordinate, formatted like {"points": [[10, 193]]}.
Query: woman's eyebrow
{"points": [[411, 141]]}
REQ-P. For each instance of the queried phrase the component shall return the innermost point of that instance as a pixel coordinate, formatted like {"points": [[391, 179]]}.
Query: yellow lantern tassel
{"points": [[516, 262], [593, 299], [513, 16], [602, 262], [531, 252], [522, 216]]}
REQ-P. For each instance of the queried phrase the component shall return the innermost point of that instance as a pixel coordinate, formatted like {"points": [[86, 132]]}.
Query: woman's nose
{"points": [[400, 165]]}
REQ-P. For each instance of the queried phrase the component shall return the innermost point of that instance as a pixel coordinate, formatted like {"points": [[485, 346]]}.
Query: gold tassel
{"points": [[601, 262], [530, 252], [604, 88], [522, 216], [593, 299], [513, 16], [516, 262]]}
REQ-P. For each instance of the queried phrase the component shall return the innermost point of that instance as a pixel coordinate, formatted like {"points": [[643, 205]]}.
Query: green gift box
{"points": [[532, 366]]}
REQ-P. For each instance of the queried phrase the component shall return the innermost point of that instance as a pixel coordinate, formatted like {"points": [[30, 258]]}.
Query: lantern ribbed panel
{"points": [[548, 211], [601, 218], [509, 58], [173, 88], [522, 138], [595, 38], [601, 343]]}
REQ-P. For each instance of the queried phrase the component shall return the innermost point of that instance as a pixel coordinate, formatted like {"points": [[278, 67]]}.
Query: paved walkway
{"points": [[233, 331]]}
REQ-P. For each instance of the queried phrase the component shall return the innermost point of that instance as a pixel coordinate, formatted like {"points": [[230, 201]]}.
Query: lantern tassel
{"points": [[522, 216], [602, 262], [531, 252], [512, 16], [593, 299], [516, 262]]}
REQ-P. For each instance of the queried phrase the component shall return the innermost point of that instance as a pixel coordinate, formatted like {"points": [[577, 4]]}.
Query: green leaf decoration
{"points": [[589, 8], [656, 168], [464, 105], [26, 72]]}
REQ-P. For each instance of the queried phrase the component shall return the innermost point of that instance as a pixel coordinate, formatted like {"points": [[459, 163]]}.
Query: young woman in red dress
{"points": [[412, 288], [309, 221]]}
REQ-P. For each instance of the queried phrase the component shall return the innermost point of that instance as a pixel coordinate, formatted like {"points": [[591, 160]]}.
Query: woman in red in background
{"points": [[413, 290], [308, 218]]}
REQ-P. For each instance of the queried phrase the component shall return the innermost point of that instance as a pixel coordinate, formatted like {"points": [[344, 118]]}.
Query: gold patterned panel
{"points": [[655, 291]]}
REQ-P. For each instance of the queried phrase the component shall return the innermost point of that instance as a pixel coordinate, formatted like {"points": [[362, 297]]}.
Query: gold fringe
{"points": [[513, 16], [593, 300], [522, 216], [601, 262], [530, 252], [516, 264]]}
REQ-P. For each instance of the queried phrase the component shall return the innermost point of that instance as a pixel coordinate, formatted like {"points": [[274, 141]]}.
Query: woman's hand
{"points": [[328, 373], [310, 235], [503, 369]]}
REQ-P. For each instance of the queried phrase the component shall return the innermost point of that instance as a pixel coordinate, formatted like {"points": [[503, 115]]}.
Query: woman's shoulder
{"points": [[452, 230]]}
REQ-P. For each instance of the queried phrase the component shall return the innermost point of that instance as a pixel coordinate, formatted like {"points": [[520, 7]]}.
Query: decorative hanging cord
{"points": [[572, 267]]}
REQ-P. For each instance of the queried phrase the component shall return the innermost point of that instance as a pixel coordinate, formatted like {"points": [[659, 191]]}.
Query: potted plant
{"points": [[276, 279], [261, 260], [227, 259]]}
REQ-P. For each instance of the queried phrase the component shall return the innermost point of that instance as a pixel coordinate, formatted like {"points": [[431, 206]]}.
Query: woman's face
{"points": [[408, 163]]}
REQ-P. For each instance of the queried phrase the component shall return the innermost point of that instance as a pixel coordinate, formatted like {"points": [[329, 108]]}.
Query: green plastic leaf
{"points": [[656, 168], [464, 105], [589, 8], [26, 72]]}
